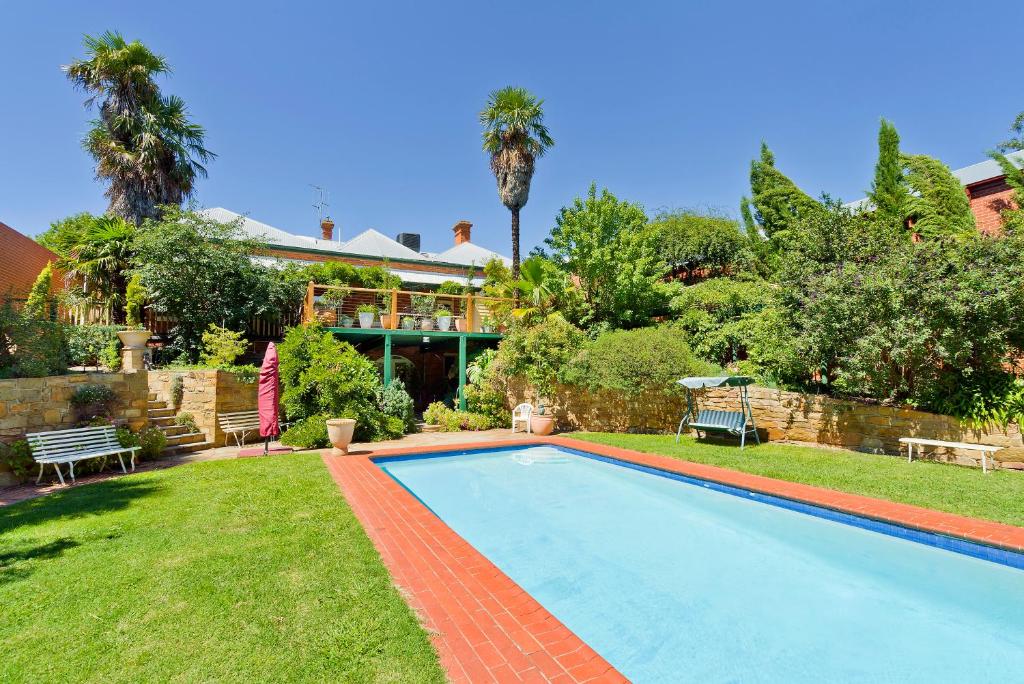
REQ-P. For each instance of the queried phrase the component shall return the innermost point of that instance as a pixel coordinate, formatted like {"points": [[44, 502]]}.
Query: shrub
{"points": [[539, 353], [30, 347], [246, 374], [635, 361], [150, 440], [323, 376], [395, 401], [40, 303], [719, 316], [177, 390], [186, 420], [221, 347], [135, 300], [18, 457], [450, 287], [489, 402], [308, 433], [93, 402], [93, 345], [450, 420]]}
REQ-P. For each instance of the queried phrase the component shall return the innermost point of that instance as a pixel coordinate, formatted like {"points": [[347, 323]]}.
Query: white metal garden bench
{"points": [[985, 449], [239, 424], [70, 446], [521, 414]]}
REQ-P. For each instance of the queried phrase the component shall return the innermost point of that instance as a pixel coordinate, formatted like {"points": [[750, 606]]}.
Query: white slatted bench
{"points": [[985, 449], [70, 446], [239, 424]]}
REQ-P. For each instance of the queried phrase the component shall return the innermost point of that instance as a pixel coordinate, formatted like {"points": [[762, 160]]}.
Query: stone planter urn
{"points": [[460, 324], [134, 346], [542, 425], [339, 431], [366, 319]]}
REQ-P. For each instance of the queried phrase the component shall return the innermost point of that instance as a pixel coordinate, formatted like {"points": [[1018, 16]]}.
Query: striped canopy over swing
{"points": [[739, 423]]}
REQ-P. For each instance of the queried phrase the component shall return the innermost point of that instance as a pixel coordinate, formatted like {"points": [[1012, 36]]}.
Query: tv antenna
{"points": [[320, 200]]}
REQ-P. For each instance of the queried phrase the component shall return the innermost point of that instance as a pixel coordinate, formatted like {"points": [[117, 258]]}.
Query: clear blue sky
{"points": [[664, 103]]}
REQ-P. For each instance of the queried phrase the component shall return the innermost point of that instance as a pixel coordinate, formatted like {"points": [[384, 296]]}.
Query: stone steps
{"points": [[161, 421], [187, 448], [184, 438], [161, 412]]}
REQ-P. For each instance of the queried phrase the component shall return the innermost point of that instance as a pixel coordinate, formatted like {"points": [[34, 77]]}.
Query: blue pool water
{"points": [[671, 581]]}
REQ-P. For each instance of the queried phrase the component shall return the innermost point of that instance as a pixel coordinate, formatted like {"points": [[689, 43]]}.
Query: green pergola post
{"points": [[387, 359], [462, 372]]}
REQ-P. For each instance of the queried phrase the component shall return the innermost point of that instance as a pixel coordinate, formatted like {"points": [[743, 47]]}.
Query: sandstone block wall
{"points": [[205, 394], [781, 415]]}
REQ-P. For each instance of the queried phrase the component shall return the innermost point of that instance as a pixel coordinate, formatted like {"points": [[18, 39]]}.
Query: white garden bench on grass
{"points": [[985, 449], [239, 424], [70, 446]]}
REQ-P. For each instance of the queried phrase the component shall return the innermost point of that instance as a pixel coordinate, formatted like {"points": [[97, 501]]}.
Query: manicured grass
{"points": [[997, 496], [241, 570]]}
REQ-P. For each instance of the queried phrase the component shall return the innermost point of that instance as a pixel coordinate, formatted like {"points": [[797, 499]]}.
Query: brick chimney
{"points": [[327, 228], [462, 229]]}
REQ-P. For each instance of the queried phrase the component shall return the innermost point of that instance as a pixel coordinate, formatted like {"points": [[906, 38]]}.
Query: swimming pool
{"points": [[673, 581]]}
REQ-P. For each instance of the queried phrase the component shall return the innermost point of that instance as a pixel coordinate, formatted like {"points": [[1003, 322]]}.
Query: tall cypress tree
{"points": [[777, 200], [889, 192], [939, 205]]}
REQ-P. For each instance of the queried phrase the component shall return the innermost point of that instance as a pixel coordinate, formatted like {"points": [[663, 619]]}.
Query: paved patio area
{"points": [[9, 495]]}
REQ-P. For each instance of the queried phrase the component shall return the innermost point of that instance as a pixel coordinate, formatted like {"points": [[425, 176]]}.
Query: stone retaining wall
{"points": [[781, 415], [40, 404], [205, 394]]}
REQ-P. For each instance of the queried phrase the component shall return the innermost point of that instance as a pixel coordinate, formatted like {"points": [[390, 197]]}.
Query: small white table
{"points": [[985, 449]]}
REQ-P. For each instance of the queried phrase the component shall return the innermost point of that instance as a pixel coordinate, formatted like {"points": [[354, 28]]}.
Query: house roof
{"points": [[471, 255], [968, 175], [372, 243]]}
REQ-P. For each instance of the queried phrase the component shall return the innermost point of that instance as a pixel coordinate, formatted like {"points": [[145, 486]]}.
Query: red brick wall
{"points": [[21, 260], [988, 200]]}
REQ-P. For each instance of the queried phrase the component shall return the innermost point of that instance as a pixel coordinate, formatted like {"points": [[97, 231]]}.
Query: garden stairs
{"points": [[179, 439]]}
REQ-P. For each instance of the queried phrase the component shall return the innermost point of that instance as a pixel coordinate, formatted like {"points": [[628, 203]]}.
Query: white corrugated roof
{"points": [[469, 254], [372, 243], [969, 175]]}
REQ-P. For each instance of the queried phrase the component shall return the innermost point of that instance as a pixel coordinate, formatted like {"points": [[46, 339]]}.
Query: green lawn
{"points": [[967, 491], [242, 570]]}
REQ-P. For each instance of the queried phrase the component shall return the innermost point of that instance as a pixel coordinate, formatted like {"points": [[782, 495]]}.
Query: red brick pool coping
{"points": [[485, 627]]}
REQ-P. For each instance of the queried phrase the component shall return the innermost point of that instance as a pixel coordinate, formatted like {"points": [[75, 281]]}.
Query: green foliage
{"points": [[721, 316], [1015, 179], [199, 272], [939, 205], [698, 244], [186, 420], [324, 376], [308, 433], [93, 401], [1016, 139], [98, 260], [395, 401], [335, 296], [90, 345], [450, 287], [778, 202], [177, 390], [246, 374], [450, 420], [889, 192], [221, 346], [17, 456], [40, 302], [635, 361], [540, 353], [422, 304], [366, 308], [30, 347], [135, 301], [151, 442], [604, 242], [485, 400], [378, 277], [64, 233]]}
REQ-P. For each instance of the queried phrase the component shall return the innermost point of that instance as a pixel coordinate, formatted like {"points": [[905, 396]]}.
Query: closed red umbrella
{"points": [[269, 394]]}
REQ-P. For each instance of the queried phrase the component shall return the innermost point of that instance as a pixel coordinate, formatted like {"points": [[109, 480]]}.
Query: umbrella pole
{"points": [[266, 445]]}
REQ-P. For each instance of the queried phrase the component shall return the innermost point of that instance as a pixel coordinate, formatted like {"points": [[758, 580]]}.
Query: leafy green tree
{"points": [[515, 137], [40, 298], [143, 143], [698, 244], [65, 232], [777, 200], [939, 205], [199, 272], [221, 347], [98, 259], [604, 243], [889, 192], [1016, 139], [1013, 218], [540, 353]]}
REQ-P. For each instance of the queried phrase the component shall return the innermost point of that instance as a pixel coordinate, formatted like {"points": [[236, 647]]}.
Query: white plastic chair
{"points": [[521, 414]]}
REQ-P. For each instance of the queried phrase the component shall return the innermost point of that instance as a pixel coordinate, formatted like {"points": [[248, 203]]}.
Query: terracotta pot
{"points": [[460, 324], [542, 425], [385, 321], [339, 431], [133, 339]]}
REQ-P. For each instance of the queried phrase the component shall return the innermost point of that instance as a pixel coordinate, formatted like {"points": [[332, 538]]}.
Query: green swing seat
{"points": [[737, 423]]}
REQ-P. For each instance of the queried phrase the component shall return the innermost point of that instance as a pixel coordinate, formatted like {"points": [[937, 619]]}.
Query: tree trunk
{"points": [[515, 251]]}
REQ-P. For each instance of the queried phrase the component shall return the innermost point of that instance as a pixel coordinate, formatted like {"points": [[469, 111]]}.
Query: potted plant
{"points": [[332, 300], [385, 310], [423, 306], [346, 321], [408, 323], [487, 324], [460, 323], [134, 338], [443, 316], [541, 422], [366, 313], [339, 431]]}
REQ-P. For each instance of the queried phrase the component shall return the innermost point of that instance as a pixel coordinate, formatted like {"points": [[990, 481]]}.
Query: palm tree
{"points": [[515, 136], [143, 142], [99, 259]]}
